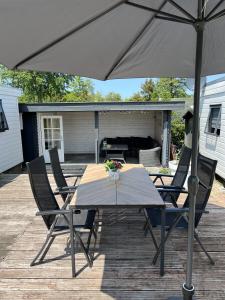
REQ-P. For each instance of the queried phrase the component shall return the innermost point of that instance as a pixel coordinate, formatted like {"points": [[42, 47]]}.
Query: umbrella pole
{"points": [[188, 288]]}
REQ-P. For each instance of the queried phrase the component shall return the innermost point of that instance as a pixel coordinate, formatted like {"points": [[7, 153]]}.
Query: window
{"points": [[3, 122], [214, 120]]}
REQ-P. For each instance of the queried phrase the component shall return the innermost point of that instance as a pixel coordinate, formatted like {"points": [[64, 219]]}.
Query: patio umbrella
{"points": [[108, 39]]}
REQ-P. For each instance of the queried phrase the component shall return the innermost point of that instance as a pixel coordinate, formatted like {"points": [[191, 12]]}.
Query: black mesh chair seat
{"points": [[82, 219]]}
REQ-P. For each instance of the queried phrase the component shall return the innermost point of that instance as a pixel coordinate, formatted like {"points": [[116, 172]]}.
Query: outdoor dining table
{"points": [[134, 189]]}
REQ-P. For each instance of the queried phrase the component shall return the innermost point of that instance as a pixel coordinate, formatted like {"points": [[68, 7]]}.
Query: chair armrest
{"points": [[67, 188], [65, 192], [160, 175], [169, 187], [184, 210], [172, 190], [177, 210], [74, 175], [53, 212]]}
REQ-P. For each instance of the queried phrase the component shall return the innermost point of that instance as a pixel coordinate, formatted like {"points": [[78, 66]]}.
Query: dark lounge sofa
{"points": [[135, 147]]}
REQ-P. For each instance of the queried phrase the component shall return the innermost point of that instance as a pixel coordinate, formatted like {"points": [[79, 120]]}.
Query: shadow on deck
{"points": [[122, 268]]}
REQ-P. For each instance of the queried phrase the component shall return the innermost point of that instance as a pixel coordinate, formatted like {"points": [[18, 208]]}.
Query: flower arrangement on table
{"points": [[113, 167]]}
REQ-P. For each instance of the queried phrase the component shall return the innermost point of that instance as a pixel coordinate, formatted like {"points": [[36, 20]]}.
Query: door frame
{"points": [[45, 152]]}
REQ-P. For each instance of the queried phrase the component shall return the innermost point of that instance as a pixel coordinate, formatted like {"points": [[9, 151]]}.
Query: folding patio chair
{"points": [[58, 221], [178, 179], [59, 177], [178, 217]]}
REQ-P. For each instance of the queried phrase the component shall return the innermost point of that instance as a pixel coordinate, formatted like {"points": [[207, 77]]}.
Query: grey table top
{"points": [[133, 189]]}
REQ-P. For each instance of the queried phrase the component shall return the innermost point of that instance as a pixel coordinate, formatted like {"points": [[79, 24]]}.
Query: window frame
{"points": [[6, 126], [211, 107]]}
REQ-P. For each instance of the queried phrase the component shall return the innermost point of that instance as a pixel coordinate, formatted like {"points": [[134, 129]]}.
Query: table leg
{"points": [[72, 245], [163, 216]]}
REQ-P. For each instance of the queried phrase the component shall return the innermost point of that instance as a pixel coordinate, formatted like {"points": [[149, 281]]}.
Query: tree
{"points": [[113, 97], [37, 86], [147, 88], [80, 90], [167, 88], [137, 97], [98, 97], [177, 130], [47, 87]]}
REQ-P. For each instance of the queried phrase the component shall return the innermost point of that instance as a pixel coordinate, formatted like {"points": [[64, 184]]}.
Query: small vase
{"points": [[114, 174]]}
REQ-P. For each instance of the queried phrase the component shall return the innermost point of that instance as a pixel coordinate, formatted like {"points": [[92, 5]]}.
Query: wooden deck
{"points": [[122, 269]]}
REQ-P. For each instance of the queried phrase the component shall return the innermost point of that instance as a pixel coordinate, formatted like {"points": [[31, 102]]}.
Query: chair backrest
{"points": [[41, 188], [206, 173], [181, 173], [57, 170], [182, 168]]}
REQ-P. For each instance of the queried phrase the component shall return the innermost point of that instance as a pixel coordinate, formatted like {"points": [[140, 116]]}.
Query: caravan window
{"points": [[214, 120], [3, 122]]}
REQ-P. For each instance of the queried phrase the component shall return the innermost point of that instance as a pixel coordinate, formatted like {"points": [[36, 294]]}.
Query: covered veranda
{"points": [[82, 127]]}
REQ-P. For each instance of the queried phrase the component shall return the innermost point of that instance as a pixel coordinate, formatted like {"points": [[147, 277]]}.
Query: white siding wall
{"points": [[113, 124], [213, 146], [79, 131], [10, 140]]}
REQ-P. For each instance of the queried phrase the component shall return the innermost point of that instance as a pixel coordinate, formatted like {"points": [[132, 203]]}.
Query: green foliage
{"points": [[37, 86], [137, 97], [167, 88], [177, 130], [113, 97], [48, 87], [147, 89], [113, 165], [165, 171], [79, 90], [98, 97], [160, 89]]}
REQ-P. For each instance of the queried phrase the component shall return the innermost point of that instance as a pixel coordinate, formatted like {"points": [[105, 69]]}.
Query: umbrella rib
{"points": [[171, 19], [182, 10], [140, 33], [71, 32], [216, 16], [136, 38], [175, 17], [215, 8]]}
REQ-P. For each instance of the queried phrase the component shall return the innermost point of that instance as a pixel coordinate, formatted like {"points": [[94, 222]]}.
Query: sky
{"points": [[127, 87]]}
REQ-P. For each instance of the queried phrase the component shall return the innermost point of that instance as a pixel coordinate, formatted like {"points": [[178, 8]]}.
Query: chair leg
{"points": [[166, 238], [162, 181], [145, 225], [149, 227], [45, 245], [47, 248], [73, 264], [83, 248], [89, 239], [203, 248], [94, 233]]}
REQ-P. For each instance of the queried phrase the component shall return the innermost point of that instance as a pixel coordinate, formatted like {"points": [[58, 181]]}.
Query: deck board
{"points": [[122, 269]]}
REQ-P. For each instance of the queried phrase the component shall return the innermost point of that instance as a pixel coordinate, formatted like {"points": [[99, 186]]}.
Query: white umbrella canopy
{"points": [[108, 39]]}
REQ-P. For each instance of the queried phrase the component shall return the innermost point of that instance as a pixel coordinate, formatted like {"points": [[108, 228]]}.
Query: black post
{"points": [[188, 288], [96, 137]]}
